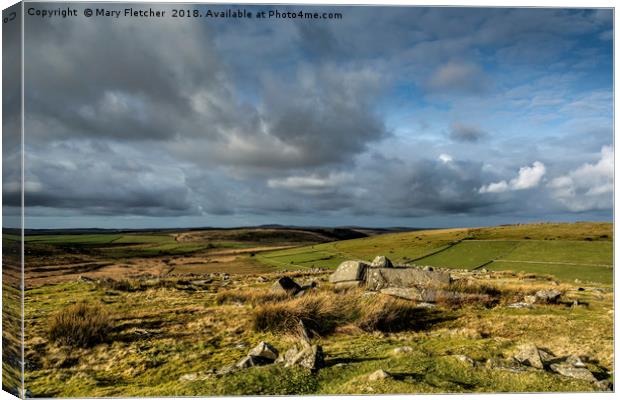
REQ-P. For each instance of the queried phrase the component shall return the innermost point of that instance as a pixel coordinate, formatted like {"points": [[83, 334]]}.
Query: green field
{"points": [[566, 251]]}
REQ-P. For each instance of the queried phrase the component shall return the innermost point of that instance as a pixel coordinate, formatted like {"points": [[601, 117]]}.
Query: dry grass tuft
{"points": [[80, 325], [387, 314], [252, 296]]}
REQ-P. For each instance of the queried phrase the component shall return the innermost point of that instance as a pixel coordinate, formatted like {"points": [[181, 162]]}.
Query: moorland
{"points": [[166, 313]]}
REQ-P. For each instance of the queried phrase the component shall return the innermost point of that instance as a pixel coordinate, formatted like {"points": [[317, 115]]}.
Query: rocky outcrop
{"points": [[381, 262], [402, 277], [349, 271]]}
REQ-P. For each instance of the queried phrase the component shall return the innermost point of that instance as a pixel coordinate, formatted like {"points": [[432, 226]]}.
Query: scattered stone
{"points": [[425, 305], [261, 279], [403, 349], [520, 305], [288, 356], [378, 375], [566, 369], [428, 268], [575, 361], [511, 364], [286, 285], [404, 293], [529, 299], [311, 357], [252, 361], [381, 262], [465, 359], [548, 296], [527, 354], [604, 386], [264, 350], [188, 377], [349, 271]]}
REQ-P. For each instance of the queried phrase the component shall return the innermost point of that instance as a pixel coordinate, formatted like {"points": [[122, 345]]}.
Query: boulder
{"points": [[348, 285], [604, 386], [252, 361], [575, 361], [380, 278], [288, 356], [527, 354], [378, 375], [566, 369], [264, 350], [349, 271], [403, 293], [548, 296], [381, 262], [311, 357], [286, 285]]}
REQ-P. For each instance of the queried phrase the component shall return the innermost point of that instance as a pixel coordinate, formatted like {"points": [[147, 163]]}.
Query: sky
{"points": [[390, 116]]}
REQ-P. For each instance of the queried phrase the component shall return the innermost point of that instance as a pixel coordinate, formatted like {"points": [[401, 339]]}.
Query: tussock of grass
{"points": [[253, 296], [80, 325], [324, 312]]}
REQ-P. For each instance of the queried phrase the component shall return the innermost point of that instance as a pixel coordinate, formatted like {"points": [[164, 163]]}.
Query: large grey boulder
{"points": [[380, 278], [251, 361], [381, 262], [349, 271]]}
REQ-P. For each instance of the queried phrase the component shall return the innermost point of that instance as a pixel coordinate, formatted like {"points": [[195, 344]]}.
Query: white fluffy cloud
{"points": [[589, 187], [528, 177]]}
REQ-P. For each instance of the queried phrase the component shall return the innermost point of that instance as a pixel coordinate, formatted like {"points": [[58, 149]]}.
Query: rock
{"points": [[548, 296], [381, 262], [428, 268], [527, 354], [288, 356], [575, 361], [566, 369], [425, 305], [529, 299], [403, 349], [261, 279], [264, 350], [252, 361], [604, 386], [349, 271], [511, 365], [312, 358], [380, 278], [404, 293], [464, 359], [188, 377], [520, 305], [348, 285], [286, 285], [378, 375]]}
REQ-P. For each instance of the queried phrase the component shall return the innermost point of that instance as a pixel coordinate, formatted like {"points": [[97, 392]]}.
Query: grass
{"points": [[544, 248], [159, 331], [80, 325]]}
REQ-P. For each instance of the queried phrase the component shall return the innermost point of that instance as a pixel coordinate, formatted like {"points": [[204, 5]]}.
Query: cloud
{"points": [[445, 158], [589, 187], [528, 177], [466, 133], [458, 77]]}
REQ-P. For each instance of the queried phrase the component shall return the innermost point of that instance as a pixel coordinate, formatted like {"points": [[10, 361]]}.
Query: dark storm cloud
{"points": [[170, 117], [462, 132]]}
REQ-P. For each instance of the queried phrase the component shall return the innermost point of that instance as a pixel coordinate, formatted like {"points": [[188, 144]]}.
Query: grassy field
{"points": [[582, 251], [167, 336]]}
